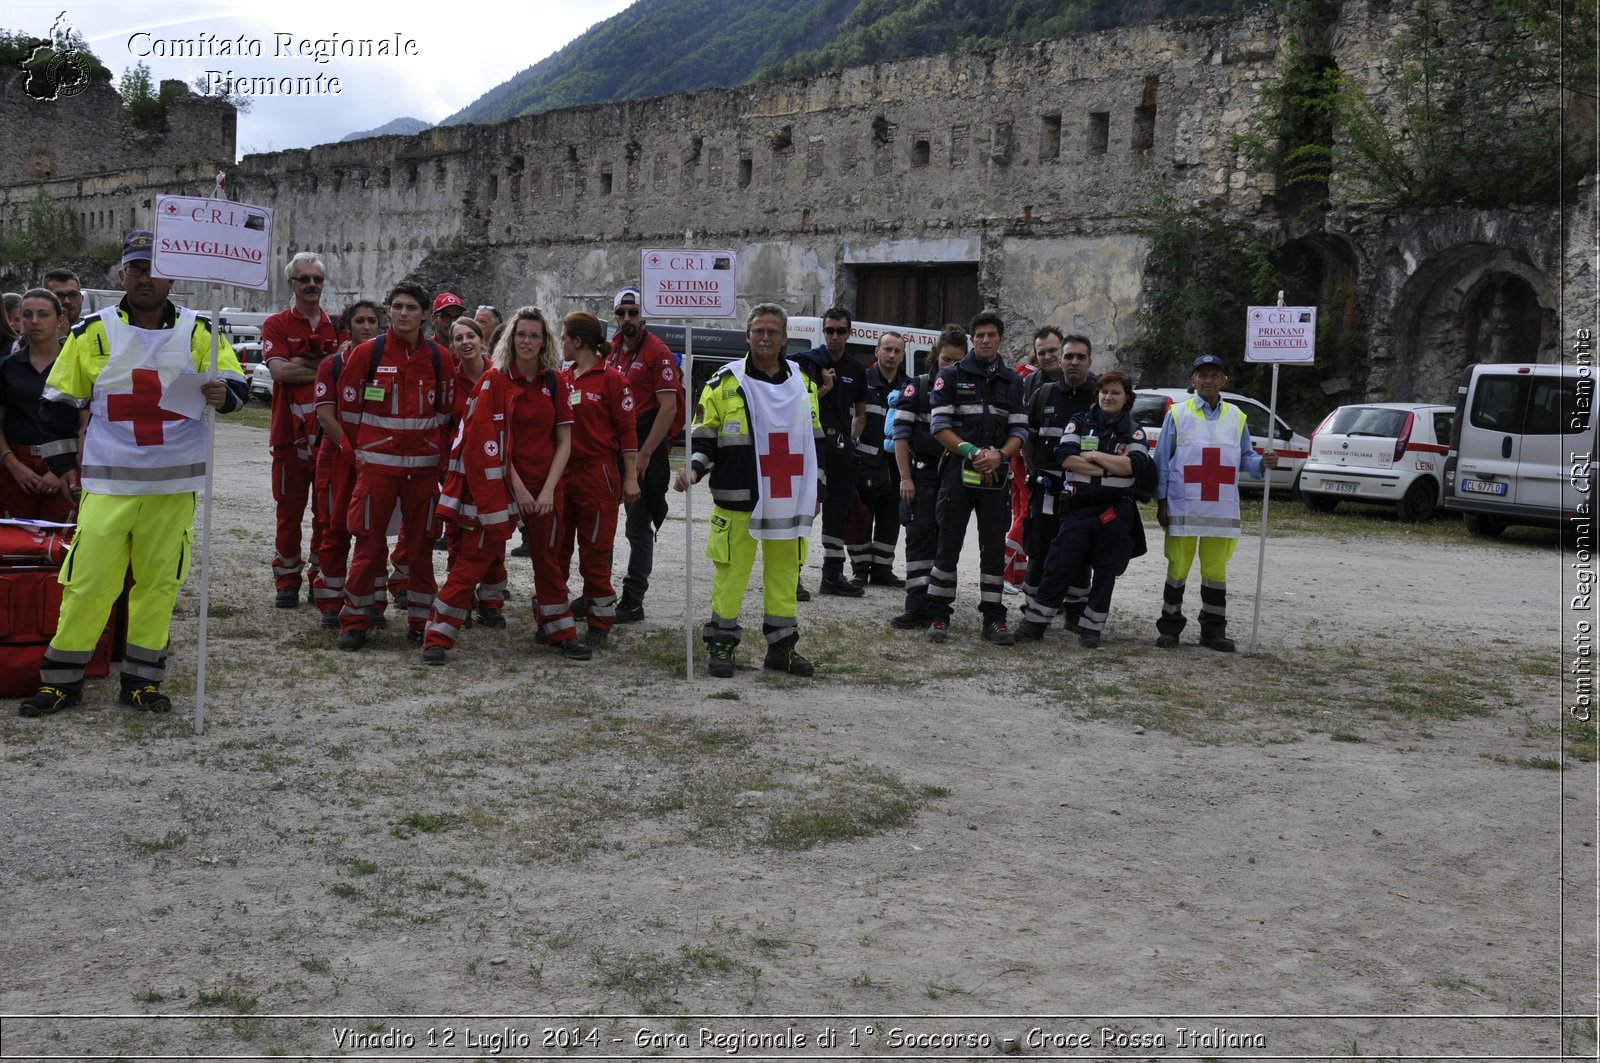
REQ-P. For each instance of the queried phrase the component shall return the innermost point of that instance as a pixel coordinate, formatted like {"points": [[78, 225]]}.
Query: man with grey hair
{"points": [[293, 343], [755, 434]]}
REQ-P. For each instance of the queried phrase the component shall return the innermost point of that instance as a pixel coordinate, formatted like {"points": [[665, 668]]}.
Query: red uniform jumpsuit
{"points": [[515, 417], [491, 592], [288, 335], [391, 413], [602, 431]]}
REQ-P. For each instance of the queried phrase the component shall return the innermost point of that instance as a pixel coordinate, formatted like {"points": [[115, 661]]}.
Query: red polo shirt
{"points": [[602, 413], [287, 334], [650, 370]]}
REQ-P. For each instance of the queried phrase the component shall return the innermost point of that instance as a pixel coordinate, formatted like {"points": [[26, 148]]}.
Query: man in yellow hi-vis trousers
{"points": [[133, 377]]}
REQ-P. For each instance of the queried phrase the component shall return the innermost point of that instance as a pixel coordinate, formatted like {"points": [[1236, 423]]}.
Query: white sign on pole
{"points": [[1281, 334], [212, 240], [681, 282]]}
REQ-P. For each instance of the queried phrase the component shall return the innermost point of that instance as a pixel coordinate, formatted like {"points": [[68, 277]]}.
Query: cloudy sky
{"points": [[454, 55]]}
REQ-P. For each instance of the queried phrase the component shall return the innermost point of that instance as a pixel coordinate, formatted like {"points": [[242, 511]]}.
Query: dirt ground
{"points": [[1366, 840]]}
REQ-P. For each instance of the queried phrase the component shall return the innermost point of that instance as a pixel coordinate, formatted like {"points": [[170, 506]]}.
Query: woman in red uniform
{"points": [[471, 357], [335, 472], [512, 449], [600, 475], [28, 489]]}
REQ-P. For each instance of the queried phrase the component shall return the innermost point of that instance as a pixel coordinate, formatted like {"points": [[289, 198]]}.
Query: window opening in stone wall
{"points": [[783, 139], [572, 155], [1001, 139], [439, 175], [959, 137], [692, 156], [1049, 137], [605, 181], [882, 132], [746, 170], [516, 186], [814, 157], [494, 186], [1144, 117], [1099, 132], [411, 174], [920, 150]]}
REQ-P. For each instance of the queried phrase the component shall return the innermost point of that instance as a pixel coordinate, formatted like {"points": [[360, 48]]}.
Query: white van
{"points": [[805, 333], [1522, 447]]}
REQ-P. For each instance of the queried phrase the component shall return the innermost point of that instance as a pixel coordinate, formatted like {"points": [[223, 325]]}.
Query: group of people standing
{"points": [[456, 435], [465, 430], [1048, 457]]}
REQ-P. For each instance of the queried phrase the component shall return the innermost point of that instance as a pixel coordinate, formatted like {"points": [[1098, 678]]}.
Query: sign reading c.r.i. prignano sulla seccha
{"points": [[1280, 334], [212, 240]]}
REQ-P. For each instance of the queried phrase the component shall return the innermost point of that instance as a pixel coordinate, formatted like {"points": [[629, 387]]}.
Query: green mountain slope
{"points": [[657, 47]]}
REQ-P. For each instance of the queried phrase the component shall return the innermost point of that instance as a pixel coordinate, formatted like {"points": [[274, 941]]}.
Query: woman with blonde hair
{"points": [[515, 438], [600, 475]]}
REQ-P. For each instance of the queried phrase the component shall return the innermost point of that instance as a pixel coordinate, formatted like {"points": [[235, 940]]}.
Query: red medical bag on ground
{"points": [[30, 603]]}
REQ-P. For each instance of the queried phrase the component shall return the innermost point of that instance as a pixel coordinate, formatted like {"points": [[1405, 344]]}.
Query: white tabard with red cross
{"points": [[1203, 479], [133, 446], [786, 459]]}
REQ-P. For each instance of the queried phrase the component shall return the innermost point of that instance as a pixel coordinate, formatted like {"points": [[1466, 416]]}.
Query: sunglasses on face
{"points": [[300, 278], [836, 332], [627, 311]]}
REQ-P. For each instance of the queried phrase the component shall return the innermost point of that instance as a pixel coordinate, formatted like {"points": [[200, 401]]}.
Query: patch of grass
{"points": [[1580, 740], [1344, 734], [170, 840], [414, 823], [844, 804], [228, 996], [151, 995]]}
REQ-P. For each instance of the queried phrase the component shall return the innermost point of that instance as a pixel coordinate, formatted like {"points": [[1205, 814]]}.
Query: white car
{"points": [[261, 381], [1390, 453], [1150, 406]]}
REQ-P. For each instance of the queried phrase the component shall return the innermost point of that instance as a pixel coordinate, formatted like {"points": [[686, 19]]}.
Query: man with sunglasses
{"points": [[293, 344], [447, 306], [841, 383], [656, 383]]}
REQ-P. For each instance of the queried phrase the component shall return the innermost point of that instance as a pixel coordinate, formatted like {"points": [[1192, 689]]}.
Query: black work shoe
{"points": [[329, 621], [1167, 642], [801, 594], [414, 636], [629, 612], [50, 700], [721, 663], [377, 621], [883, 576], [859, 579], [573, 650], [352, 640], [938, 631], [540, 638], [1030, 631], [580, 608], [909, 621], [596, 638], [1089, 640], [1220, 643], [840, 586], [288, 598], [145, 695], [520, 551], [491, 618], [995, 631], [785, 659], [435, 655], [441, 543]]}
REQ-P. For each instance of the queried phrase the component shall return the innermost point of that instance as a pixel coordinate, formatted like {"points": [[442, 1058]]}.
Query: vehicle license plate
{"points": [[1343, 487], [1483, 487]]}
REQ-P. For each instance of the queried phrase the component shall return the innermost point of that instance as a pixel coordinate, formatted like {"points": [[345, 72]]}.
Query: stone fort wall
{"points": [[1036, 165]]}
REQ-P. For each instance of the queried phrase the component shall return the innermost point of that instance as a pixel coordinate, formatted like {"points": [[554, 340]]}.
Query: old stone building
{"points": [[914, 191]]}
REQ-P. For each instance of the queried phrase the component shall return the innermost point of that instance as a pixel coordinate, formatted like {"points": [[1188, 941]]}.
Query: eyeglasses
{"points": [[300, 278], [627, 311], [487, 307], [69, 295], [836, 332]]}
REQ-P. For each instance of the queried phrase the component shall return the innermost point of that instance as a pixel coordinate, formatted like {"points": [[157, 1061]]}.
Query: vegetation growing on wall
{"points": [[1473, 113], [1202, 275], [17, 47], [47, 233]]}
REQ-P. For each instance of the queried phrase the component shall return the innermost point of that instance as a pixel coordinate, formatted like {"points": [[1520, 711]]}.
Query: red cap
{"points": [[447, 299]]}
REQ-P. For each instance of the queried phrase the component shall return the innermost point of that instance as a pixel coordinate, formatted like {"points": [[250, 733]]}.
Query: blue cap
{"points": [[138, 246], [1205, 360]]}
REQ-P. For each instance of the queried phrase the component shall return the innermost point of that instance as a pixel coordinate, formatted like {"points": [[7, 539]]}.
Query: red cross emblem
{"points": [[780, 467], [1210, 474], [143, 408], [172, 208]]}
